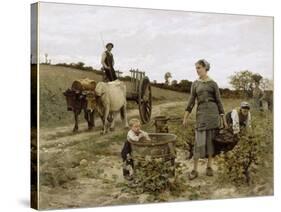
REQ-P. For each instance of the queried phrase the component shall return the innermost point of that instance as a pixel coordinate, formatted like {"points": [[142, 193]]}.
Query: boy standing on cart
{"points": [[107, 62]]}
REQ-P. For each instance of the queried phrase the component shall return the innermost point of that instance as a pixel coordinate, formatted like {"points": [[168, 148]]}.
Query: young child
{"points": [[134, 134]]}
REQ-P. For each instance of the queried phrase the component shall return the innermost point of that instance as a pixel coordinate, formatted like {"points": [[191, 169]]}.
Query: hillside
{"points": [[88, 166], [84, 169], [54, 80]]}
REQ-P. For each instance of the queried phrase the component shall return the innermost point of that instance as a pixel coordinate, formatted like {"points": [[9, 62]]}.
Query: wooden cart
{"points": [[139, 90]]}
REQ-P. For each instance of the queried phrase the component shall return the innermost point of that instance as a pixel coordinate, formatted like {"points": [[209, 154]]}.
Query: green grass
{"points": [[63, 167], [54, 80]]}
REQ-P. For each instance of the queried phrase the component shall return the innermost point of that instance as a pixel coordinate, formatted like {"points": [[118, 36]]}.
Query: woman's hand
{"points": [[184, 123], [186, 114], [223, 122], [226, 125]]}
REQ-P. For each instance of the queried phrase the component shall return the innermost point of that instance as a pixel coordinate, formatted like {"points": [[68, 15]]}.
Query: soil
{"points": [[84, 169]]}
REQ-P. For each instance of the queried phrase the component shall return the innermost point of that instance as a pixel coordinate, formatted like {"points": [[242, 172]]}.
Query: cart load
{"points": [[85, 84]]}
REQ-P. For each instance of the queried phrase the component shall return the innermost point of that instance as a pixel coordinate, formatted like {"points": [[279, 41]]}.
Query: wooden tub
{"points": [[162, 145], [160, 150]]}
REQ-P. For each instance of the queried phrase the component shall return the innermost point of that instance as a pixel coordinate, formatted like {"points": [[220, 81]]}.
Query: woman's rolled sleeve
{"points": [[191, 100], [218, 99]]}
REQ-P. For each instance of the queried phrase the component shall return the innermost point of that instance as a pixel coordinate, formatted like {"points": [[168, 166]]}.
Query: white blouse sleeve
{"points": [[235, 121], [132, 136]]}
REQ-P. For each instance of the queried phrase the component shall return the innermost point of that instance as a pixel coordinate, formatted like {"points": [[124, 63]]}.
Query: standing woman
{"points": [[208, 116]]}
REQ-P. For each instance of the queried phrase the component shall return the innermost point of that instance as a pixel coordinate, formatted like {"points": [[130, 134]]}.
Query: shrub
{"points": [[244, 164], [159, 178], [152, 175]]}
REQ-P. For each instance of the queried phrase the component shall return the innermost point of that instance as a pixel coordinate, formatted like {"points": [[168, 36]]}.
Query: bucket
{"points": [[161, 124]]}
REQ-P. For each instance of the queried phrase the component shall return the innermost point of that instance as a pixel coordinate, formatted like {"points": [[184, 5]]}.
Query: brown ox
{"points": [[76, 102]]}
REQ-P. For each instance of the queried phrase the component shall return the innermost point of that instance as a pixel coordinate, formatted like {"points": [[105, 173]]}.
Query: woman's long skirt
{"points": [[204, 143]]}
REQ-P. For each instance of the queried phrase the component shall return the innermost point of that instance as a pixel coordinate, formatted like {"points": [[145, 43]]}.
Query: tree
{"points": [[80, 65], [257, 78], [242, 80], [46, 58], [185, 85], [174, 82], [167, 77]]}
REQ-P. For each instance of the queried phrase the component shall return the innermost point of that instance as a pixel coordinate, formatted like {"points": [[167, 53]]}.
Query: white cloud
{"points": [[157, 41]]}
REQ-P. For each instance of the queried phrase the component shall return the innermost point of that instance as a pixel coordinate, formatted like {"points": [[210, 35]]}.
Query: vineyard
{"points": [[84, 169]]}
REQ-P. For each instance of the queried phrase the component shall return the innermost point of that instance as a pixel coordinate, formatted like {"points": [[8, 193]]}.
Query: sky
{"points": [[157, 41]]}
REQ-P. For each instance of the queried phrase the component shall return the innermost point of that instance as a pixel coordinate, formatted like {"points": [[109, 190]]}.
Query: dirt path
{"points": [[84, 169], [72, 164], [62, 134]]}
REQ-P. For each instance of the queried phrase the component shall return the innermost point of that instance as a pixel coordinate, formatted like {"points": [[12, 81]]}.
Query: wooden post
{"points": [[46, 58], [118, 73]]}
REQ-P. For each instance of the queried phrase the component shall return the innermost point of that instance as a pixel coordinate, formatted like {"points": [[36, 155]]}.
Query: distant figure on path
{"points": [[258, 97]]}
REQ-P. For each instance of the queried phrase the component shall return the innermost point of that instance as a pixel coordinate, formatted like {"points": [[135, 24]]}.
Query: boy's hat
{"points": [[109, 44], [245, 105]]}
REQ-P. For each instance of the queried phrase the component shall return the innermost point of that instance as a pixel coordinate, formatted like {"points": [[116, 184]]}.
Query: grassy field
{"points": [[54, 80], [84, 169]]}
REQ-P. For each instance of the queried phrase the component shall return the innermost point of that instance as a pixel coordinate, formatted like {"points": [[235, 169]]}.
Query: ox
{"points": [[76, 102], [109, 100]]}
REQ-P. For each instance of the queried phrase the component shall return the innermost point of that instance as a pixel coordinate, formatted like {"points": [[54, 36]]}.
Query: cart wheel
{"points": [[144, 100]]}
